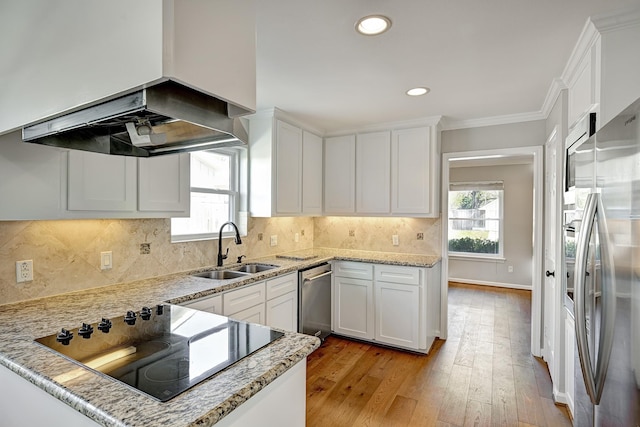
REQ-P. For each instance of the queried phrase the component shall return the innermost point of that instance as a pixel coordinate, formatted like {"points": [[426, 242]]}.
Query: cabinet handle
{"points": [[311, 279], [550, 273]]}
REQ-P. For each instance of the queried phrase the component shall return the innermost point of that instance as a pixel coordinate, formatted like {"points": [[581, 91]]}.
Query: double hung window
{"points": [[214, 196], [476, 219]]}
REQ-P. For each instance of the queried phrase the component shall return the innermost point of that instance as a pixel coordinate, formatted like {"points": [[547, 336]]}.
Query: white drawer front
{"points": [[282, 285], [243, 298], [397, 274], [353, 270], [211, 304]]}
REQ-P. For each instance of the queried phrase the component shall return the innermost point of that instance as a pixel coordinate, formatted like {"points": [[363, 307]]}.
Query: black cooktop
{"points": [[161, 351]]}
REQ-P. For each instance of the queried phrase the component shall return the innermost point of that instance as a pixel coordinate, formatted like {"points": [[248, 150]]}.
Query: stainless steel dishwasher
{"points": [[314, 308]]}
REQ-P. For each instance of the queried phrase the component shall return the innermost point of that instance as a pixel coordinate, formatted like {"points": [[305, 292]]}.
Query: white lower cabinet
{"points": [[393, 305], [353, 307], [397, 314], [569, 361], [273, 303]]}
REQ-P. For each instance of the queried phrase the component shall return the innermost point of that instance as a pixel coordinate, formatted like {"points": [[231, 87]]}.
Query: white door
{"points": [[353, 307], [340, 174], [397, 314], [550, 294], [282, 312], [373, 173]]}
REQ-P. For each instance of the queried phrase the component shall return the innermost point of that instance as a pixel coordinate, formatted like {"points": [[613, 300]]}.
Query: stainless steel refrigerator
{"points": [[605, 178]]}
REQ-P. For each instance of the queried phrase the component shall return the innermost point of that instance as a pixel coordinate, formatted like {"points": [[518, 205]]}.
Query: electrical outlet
{"points": [[420, 236], [106, 260], [24, 271], [296, 237], [510, 269], [395, 240], [274, 240]]}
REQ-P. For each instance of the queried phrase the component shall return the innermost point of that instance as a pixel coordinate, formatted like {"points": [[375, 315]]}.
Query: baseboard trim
{"points": [[494, 284]]}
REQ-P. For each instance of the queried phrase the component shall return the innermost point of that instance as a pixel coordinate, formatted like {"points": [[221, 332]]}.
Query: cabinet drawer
{"points": [[353, 270], [282, 285], [255, 314], [243, 298], [397, 274], [212, 304]]}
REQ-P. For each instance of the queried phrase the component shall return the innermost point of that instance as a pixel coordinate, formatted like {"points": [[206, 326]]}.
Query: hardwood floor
{"points": [[483, 375]]}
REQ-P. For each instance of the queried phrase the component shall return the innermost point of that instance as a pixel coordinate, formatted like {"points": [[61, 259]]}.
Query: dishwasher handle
{"points": [[311, 279]]}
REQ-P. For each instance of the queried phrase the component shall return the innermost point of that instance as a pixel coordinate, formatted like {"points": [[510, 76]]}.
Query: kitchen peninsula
{"points": [[110, 403]]}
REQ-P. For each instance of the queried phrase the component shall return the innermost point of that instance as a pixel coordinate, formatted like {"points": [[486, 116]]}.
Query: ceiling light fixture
{"points": [[373, 25], [417, 91]]}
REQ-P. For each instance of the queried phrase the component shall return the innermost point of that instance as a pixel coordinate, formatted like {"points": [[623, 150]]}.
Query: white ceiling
{"points": [[481, 58]]}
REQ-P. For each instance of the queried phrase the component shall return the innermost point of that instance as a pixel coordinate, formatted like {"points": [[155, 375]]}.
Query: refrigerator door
{"points": [[618, 181]]}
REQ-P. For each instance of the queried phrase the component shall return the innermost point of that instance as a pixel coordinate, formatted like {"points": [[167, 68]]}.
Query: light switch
{"points": [[106, 260]]}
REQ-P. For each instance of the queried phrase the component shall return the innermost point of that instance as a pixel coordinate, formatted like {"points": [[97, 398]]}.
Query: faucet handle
{"points": [[240, 258], [226, 254]]}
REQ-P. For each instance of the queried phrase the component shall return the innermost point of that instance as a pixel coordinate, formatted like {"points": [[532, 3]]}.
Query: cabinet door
{"points": [[164, 184], [373, 170], [584, 85], [288, 151], [211, 304], [411, 172], [353, 307], [397, 314], [282, 312], [243, 298], [311, 174], [100, 182], [255, 314], [339, 175]]}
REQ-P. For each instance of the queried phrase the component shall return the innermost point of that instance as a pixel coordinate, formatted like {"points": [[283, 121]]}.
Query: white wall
{"points": [[518, 227]]}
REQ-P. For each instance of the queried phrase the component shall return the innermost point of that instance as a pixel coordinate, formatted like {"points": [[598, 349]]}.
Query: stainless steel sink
{"points": [[222, 274], [256, 268]]}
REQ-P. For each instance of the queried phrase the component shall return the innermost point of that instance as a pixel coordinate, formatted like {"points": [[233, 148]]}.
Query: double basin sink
{"points": [[236, 272]]}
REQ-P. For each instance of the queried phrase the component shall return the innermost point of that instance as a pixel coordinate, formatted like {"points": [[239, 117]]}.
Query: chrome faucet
{"points": [[238, 241]]}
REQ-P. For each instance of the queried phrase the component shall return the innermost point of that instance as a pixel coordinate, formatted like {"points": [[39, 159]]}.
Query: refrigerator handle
{"points": [[608, 292], [582, 247]]}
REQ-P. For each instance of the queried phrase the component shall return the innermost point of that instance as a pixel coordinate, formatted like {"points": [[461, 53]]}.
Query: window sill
{"points": [[474, 257]]}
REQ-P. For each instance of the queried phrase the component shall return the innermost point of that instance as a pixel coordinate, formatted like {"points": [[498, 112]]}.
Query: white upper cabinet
{"points": [[339, 175], [373, 172], [105, 186], [415, 172], [99, 182], [602, 72], [164, 184], [288, 170], [285, 163], [119, 46], [397, 173], [311, 174]]}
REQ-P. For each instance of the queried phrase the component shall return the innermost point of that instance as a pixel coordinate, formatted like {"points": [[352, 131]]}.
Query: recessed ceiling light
{"points": [[417, 91], [373, 25]]}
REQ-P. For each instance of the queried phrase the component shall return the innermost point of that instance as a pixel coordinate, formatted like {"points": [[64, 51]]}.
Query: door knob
{"points": [[550, 273]]}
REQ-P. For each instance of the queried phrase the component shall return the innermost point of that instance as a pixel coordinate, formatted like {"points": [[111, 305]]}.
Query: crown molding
{"points": [[276, 113], [404, 124], [617, 20], [493, 121], [557, 86]]}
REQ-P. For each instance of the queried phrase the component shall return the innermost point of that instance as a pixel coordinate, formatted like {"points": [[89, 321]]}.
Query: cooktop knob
{"points": [[105, 325], [145, 313], [130, 318], [64, 336], [85, 331], [160, 309]]}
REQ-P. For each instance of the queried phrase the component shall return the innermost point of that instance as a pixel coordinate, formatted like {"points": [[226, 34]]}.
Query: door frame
{"points": [[537, 153]]}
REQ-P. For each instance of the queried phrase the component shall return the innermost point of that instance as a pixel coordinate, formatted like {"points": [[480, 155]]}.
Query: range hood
{"points": [[162, 119]]}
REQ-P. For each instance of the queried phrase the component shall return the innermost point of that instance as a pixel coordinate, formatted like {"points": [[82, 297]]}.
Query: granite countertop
{"points": [[111, 403]]}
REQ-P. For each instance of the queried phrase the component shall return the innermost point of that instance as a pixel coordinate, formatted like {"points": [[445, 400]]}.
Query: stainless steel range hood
{"points": [[162, 119]]}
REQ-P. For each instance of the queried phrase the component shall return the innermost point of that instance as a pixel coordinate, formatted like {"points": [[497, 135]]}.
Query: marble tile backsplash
{"points": [[375, 234], [66, 254]]}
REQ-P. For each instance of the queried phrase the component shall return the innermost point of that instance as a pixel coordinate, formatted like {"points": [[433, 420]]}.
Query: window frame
{"points": [[233, 193], [479, 186]]}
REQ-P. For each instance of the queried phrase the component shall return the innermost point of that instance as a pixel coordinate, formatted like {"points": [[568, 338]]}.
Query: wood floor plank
{"points": [[482, 375], [477, 414]]}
